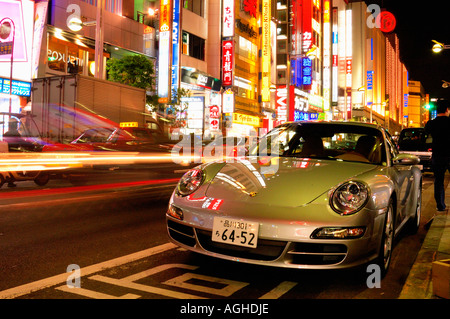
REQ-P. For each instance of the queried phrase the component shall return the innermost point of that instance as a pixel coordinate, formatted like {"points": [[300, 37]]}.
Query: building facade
{"points": [[249, 65]]}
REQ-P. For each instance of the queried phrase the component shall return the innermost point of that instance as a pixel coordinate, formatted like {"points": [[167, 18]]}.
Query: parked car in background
{"points": [[108, 139], [312, 195], [416, 141], [20, 133]]}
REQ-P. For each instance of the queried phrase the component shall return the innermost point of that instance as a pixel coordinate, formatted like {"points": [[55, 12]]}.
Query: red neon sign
{"points": [[227, 63]]}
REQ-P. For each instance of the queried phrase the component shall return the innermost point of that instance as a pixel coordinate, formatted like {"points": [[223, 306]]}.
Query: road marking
{"points": [[229, 286], [279, 290], [146, 288], [61, 278], [94, 294]]}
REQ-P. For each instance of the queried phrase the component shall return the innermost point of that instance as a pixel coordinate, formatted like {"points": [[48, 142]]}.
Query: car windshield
{"points": [[324, 141], [414, 140]]}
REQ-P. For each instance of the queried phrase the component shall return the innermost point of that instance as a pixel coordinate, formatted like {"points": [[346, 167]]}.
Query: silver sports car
{"points": [[314, 195]]}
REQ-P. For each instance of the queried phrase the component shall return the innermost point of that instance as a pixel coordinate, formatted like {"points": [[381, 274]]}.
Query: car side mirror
{"points": [[406, 159]]}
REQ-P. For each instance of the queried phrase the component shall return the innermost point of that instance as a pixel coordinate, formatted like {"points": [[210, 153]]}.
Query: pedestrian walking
{"points": [[439, 128]]}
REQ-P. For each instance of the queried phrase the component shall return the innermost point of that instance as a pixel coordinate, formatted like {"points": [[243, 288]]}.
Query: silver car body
{"points": [[288, 198]]}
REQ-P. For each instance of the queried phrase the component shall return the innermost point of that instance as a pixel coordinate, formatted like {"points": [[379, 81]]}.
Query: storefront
{"points": [[200, 113]]}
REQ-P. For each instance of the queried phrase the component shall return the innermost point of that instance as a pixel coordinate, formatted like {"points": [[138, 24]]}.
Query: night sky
{"points": [[419, 22]]}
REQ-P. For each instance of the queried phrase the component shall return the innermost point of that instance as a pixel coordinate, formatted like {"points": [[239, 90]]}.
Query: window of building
{"points": [[196, 6], [193, 46]]}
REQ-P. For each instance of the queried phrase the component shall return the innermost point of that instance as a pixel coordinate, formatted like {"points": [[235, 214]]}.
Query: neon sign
{"points": [[164, 82], [250, 7], [265, 81], [228, 18], [227, 63]]}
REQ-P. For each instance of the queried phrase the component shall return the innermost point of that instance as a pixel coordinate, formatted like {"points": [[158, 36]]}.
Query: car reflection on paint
{"points": [[301, 200]]}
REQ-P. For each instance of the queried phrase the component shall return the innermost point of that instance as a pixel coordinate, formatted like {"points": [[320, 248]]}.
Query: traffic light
{"points": [[430, 106]]}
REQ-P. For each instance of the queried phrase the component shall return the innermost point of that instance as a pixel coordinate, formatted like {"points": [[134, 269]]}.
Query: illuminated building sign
{"points": [[334, 52], [308, 40], [265, 54], [175, 79], [228, 101], [18, 87], [250, 6], [228, 18], [369, 80], [348, 62], [164, 82], [227, 62], [326, 55], [302, 116], [195, 106], [281, 106], [306, 73], [245, 119], [164, 18]]}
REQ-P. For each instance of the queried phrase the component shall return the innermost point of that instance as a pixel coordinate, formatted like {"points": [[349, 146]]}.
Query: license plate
{"points": [[235, 232]]}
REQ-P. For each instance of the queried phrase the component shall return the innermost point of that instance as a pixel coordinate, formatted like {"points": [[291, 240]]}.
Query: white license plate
{"points": [[235, 231]]}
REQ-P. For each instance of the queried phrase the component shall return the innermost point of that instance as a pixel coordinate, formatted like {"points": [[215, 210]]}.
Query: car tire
{"points": [[387, 240], [42, 179], [414, 222]]}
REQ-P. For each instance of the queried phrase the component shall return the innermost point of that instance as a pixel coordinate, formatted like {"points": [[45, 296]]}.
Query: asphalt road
{"points": [[117, 233]]}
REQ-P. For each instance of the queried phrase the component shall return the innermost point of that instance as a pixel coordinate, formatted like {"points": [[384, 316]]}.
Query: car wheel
{"points": [[387, 240], [414, 222], [42, 179]]}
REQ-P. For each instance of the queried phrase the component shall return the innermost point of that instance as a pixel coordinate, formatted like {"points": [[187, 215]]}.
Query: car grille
{"points": [[317, 254], [181, 233], [266, 249]]}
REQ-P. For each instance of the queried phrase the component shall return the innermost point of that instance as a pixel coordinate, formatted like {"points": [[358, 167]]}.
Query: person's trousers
{"points": [[440, 165]]}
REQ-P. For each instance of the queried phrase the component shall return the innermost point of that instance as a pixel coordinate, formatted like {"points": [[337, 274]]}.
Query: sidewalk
{"points": [[436, 246]]}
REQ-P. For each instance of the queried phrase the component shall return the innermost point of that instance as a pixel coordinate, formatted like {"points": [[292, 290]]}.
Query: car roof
{"points": [[353, 123]]}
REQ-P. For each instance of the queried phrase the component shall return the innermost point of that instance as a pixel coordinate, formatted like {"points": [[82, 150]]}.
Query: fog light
{"points": [[338, 232], [175, 212]]}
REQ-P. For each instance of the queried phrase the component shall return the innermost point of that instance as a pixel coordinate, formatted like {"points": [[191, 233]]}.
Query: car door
{"points": [[403, 179]]}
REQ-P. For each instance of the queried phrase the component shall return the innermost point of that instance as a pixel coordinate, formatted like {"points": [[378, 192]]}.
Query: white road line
{"points": [[61, 278], [279, 290], [150, 289], [94, 294], [230, 286]]}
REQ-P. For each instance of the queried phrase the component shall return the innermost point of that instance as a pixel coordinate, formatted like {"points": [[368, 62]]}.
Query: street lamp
{"points": [[445, 84], [438, 46]]}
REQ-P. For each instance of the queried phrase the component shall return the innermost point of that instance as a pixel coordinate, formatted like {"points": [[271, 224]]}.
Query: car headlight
{"points": [[190, 182], [349, 198]]}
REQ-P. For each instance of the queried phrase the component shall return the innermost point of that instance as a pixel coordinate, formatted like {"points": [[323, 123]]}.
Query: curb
{"points": [[436, 246]]}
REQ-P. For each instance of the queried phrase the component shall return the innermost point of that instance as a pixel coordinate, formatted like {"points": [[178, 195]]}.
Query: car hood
{"points": [[281, 181]]}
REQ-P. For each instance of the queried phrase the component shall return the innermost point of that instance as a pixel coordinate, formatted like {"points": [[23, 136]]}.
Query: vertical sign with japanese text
{"points": [[164, 82], [228, 18], [227, 62], [265, 54], [175, 78]]}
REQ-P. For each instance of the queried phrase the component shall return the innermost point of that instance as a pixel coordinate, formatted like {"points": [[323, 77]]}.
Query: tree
{"points": [[133, 70], [179, 106]]}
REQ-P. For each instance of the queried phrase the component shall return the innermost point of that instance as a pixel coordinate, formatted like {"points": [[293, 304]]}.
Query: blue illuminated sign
{"points": [[306, 71], [369, 79], [175, 47], [18, 87], [303, 116]]}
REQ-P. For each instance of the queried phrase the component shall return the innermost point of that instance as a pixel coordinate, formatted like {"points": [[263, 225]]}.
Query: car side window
{"points": [[392, 149]]}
